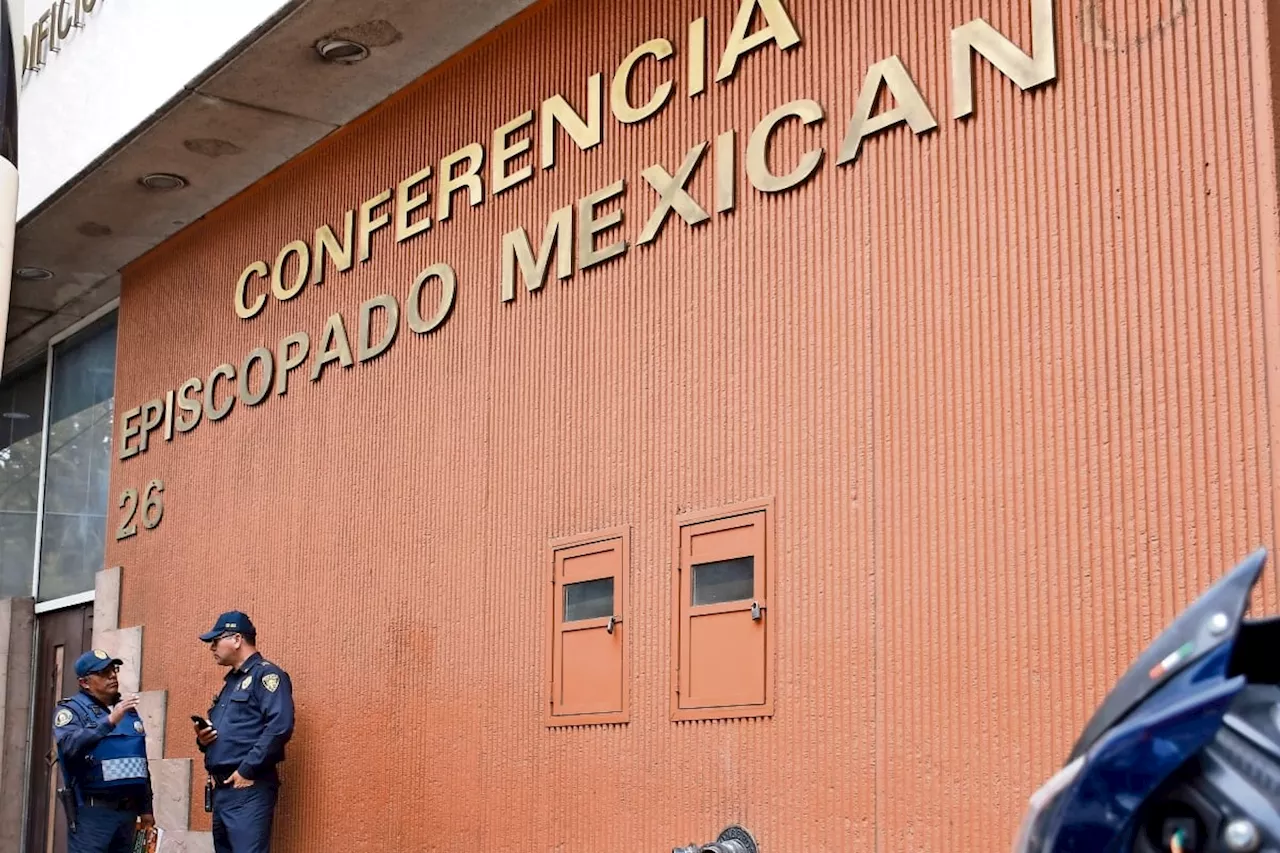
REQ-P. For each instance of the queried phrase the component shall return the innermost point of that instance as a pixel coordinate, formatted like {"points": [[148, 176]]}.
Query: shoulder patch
{"points": [[271, 681], [139, 728], [63, 717]]}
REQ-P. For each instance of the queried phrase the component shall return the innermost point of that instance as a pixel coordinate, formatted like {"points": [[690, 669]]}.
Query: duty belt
{"points": [[221, 775], [113, 801]]}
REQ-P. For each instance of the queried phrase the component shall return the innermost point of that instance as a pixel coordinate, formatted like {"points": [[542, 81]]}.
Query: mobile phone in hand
{"points": [[201, 721]]}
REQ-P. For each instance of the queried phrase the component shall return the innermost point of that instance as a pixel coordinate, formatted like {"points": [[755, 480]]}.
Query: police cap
{"points": [[232, 622], [95, 660]]}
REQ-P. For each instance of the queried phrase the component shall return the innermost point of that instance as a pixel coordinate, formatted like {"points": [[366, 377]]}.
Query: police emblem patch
{"points": [[244, 685], [137, 727], [99, 654], [271, 681], [64, 716]]}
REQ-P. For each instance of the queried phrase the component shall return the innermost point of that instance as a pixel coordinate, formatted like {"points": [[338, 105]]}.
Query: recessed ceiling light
{"points": [[341, 50], [33, 274], [16, 416], [162, 181]]}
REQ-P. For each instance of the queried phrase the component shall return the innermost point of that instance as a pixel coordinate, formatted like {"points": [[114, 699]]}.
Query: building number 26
{"points": [[152, 509]]}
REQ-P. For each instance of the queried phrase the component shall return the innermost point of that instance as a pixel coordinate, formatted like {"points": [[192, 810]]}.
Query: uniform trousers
{"points": [[242, 817], [102, 830]]}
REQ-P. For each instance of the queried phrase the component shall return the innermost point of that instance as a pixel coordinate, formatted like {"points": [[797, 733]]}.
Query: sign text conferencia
{"points": [[572, 234]]}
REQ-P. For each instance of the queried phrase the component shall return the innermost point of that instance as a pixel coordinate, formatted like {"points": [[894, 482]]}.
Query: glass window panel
{"points": [[21, 429], [81, 418], [588, 600], [723, 581]]}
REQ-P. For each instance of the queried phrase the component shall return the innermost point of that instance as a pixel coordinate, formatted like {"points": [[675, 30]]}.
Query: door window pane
{"points": [[81, 415], [588, 600], [21, 427], [723, 581]]}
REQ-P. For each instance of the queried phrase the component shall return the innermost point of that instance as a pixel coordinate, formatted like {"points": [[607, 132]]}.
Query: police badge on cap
{"points": [[231, 622], [93, 661]]}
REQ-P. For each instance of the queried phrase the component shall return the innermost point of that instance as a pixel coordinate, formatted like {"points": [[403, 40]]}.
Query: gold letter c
{"points": [[243, 311]]}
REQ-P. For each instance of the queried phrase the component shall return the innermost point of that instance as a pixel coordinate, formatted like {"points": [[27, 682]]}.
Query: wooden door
{"points": [[62, 636]]}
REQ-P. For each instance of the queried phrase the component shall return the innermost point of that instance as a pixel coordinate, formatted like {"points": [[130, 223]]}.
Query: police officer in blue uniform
{"points": [[250, 722], [102, 749]]}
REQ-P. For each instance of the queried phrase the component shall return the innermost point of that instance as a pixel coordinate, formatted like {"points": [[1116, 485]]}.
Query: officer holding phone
{"points": [[243, 738]]}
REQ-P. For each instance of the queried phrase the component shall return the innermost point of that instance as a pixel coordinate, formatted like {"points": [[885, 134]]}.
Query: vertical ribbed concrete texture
{"points": [[1005, 382]]}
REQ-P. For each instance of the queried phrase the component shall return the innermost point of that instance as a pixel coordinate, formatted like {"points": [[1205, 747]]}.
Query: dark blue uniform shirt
{"points": [[77, 734], [253, 714]]}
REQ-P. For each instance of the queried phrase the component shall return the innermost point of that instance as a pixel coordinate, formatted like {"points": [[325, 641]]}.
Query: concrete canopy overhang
{"points": [[267, 100]]}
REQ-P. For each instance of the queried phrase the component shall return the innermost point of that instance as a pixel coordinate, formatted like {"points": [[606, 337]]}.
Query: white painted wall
{"points": [[128, 59]]}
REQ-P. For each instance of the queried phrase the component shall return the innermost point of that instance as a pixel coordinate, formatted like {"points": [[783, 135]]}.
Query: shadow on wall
{"points": [[299, 780]]}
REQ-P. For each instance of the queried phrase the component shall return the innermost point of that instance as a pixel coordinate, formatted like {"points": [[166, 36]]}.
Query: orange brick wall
{"points": [[1004, 381]]}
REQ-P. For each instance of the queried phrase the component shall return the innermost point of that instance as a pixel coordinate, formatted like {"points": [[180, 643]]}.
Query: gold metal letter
{"points": [[697, 57], [127, 432], [289, 362], [152, 411], [589, 226], [369, 223], [726, 157], [504, 153], [672, 195], [210, 412], [243, 311], [405, 206], [557, 237], [168, 416], [335, 336], [1027, 71], [327, 244], [187, 403], [556, 110], [448, 292], [388, 303], [779, 28], [911, 107], [248, 397], [42, 38], [758, 148], [303, 252], [65, 22], [450, 183], [661, 49]]}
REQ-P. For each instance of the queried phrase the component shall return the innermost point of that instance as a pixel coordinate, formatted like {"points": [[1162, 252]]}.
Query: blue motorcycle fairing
{"points": [[1097, 814], [1167, 707], [1190, 637]]}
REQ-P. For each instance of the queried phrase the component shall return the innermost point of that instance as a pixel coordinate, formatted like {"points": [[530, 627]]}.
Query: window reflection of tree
{"points": [[75, 507], [21, 430], [76, 466], [81, 409]]}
